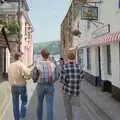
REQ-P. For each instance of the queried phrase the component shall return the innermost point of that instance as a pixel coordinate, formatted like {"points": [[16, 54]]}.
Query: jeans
{"points": [[70, 102], [19, 92], [45, 90]]}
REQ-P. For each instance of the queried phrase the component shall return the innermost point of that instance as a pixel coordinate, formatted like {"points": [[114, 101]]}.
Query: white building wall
{"points": [[85, 59], [115, 63], [7, 59], [94, 61], [103, 62], [106, 16]]}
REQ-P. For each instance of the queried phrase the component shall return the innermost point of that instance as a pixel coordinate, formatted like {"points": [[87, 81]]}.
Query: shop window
{"points": [[108, 59], [88, 25], [80, 57], [88, 59]]}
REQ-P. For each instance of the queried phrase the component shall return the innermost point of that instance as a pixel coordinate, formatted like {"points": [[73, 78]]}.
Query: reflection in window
{"points": [[88, 59], [108, 59]]}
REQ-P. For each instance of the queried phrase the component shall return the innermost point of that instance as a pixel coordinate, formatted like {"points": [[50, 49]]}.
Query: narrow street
{"points": [[82, 113]]}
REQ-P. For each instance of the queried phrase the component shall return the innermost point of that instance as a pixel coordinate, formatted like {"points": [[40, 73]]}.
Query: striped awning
{"points": [[109, 38]]}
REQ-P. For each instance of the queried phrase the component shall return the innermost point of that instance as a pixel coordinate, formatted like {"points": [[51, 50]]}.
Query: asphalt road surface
{"points": [[81, 113]]}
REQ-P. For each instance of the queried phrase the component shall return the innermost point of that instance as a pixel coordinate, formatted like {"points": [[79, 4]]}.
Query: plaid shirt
{"points": [[71, 76]]}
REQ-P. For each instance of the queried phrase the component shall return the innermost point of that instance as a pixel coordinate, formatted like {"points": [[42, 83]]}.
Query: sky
{"points": [[46, 17]]}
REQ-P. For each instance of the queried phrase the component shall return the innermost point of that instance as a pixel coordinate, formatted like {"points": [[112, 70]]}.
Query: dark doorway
{"points": [[99, 81]]}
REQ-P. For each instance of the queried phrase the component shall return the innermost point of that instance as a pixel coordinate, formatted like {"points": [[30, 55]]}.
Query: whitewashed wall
{"points": [[106, 16], [115, 64], [7, 59]]}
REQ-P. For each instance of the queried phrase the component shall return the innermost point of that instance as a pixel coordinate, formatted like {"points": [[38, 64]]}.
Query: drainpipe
{"points": [[19, 23]]}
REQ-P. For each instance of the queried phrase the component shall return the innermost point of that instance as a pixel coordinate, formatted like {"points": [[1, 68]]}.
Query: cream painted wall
{"points": [[25, 47]]}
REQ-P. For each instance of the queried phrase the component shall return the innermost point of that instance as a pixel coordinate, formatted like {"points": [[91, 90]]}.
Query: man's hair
{"points": [[61, 59], [45, 53], [71, 55], [17, 55]]}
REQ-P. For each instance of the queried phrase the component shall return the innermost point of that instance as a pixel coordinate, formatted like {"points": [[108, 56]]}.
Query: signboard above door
{"points": [[89, 13]]}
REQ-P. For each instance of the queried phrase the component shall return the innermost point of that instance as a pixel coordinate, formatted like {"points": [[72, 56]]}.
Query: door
{"points": [[99, 67]]}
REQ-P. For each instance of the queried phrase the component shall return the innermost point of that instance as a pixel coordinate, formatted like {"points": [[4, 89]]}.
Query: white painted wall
{"points": [[7, 59], [94, 61], [107, 16], [115, 63]]}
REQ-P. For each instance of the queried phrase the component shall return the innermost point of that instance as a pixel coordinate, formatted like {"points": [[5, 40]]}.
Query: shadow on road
{"points": [[32, 107], [59, 113]]}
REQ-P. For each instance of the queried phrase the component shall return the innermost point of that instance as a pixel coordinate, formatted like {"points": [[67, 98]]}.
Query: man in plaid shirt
{"points": [[70, 78]]}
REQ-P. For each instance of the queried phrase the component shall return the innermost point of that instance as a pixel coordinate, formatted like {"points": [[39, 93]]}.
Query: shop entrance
{"points": [[2, 63], [99, 81]]}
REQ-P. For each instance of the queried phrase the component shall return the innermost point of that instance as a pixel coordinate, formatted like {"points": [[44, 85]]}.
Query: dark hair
{"points": [[45, 53], [61, 59], [17, 55]]}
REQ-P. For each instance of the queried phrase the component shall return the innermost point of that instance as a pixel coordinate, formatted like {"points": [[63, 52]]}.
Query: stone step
{"points": [[93, 109]]}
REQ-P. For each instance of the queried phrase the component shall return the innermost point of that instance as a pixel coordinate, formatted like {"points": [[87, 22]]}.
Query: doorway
{"points": [[99, 80], [2, 63]]}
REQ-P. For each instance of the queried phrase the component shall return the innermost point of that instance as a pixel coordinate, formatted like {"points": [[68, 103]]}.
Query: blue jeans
{"points": [[45, 90], [19, 92]]}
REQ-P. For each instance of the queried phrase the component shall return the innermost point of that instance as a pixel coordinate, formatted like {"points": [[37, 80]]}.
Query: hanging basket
{"points": [[83, 1], [76, 32]]}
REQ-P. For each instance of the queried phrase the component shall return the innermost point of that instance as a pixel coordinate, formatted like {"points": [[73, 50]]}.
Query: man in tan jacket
{"points": [[16, 75]]}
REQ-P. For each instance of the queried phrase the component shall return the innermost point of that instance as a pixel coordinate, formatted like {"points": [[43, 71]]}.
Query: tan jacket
{"points": [[16, 72]]}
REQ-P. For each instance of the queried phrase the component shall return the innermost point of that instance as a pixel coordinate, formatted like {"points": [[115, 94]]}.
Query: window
{"points": [[88, 25], [29, 35], [88, 59], [80, 57], [11, 17], [118, 3], [108, 60]]}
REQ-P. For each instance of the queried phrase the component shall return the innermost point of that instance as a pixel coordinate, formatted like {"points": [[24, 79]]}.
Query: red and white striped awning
{"points": [[113, 37]]}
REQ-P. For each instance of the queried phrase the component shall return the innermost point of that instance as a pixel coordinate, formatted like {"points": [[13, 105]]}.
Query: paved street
{"points": [[59, 113]]}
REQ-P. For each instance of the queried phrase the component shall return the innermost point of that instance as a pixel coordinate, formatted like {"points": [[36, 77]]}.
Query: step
{"points": [[5, 96], [93, 109]]}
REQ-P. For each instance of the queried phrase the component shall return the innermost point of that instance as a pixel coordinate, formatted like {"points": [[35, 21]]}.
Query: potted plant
{"points": [[76, 32], [11, 27]]}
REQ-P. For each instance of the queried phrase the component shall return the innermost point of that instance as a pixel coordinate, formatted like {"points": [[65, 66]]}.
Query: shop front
{"points": [[101, 58]]}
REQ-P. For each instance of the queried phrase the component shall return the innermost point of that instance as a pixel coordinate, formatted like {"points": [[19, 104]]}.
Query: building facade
{"points": [[67, 29], [99, 47], [9, 12]]}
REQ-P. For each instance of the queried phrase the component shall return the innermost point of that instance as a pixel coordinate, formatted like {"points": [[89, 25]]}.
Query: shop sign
{"points": [[89, 13]]}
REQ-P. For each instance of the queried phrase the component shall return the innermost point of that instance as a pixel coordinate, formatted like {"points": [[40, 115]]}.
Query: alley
{"points": [[59, 113]]}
